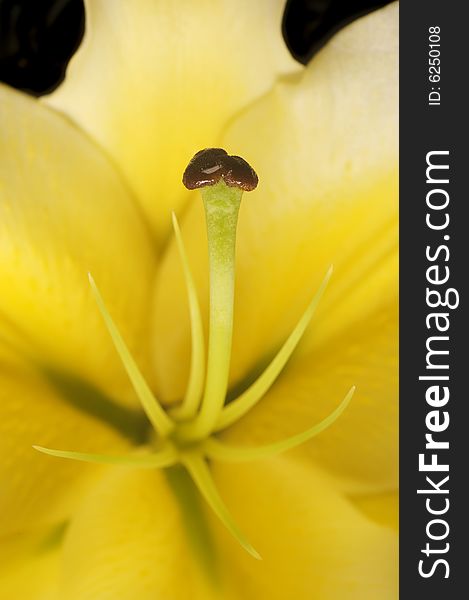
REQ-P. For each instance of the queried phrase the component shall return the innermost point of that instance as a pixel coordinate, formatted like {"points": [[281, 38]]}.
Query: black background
{"points": [[38, 37]]}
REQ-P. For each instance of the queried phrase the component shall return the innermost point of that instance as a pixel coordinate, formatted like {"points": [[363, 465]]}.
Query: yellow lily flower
{"points": [[88, 179]]}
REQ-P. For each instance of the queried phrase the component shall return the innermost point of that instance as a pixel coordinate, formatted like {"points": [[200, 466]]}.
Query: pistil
{"points": [[222, 180]]}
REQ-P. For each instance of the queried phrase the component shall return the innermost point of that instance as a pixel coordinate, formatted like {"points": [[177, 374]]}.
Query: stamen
{"points": [[159, 419], [239, 407], [219, 451], [193, 395], [200, 473], [164, 458]]}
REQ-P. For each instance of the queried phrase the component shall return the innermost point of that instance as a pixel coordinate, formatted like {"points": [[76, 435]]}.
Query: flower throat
{"points": [[187, 434]]}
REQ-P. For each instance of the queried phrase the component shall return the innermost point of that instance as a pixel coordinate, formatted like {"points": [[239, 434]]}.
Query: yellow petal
{"points": [[36, 488], [155, 81], [64, 211], [361, 447], [313, 542], [324, 145], [29, 567], [128, 541], [381, 508]]}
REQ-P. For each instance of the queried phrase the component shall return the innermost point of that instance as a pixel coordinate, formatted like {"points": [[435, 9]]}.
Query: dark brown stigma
{"points": [[208, 166]]}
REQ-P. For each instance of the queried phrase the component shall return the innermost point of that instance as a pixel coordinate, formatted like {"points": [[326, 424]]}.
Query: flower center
{"points": [[187, 434]]}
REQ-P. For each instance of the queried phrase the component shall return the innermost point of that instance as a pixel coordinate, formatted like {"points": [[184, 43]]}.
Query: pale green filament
{"points": [[200, 473], [193, 395], [159, 419], [221, 212], [163, 458], [239, 407], [220, 451]]}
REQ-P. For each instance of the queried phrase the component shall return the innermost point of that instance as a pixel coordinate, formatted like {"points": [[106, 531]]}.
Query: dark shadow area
{"points": [[132, 424], [309, 24], [37, 39]]}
